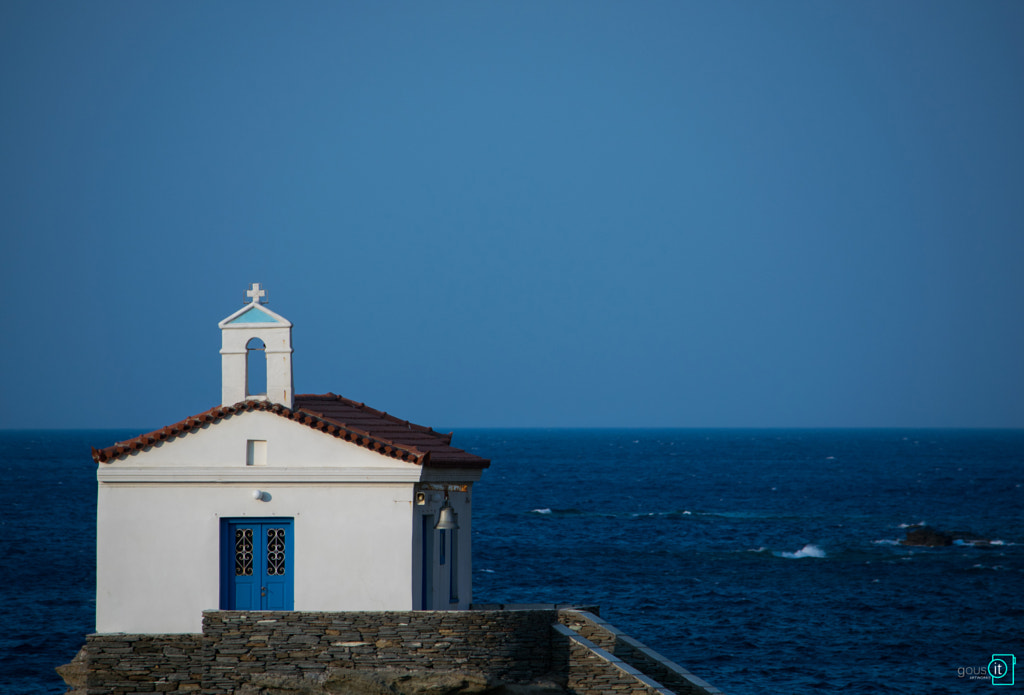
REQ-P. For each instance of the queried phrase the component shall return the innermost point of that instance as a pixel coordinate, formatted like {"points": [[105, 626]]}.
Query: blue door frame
{"points": [[257, 565]]}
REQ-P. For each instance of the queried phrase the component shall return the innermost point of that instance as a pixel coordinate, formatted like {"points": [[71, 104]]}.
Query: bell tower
{"points": [[253, 329]]}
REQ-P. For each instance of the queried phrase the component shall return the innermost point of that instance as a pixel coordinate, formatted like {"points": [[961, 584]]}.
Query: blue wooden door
{"points": [[257, 564]]}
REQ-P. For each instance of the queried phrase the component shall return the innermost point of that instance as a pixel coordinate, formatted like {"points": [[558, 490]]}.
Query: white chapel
{"points": [[278, 501]]}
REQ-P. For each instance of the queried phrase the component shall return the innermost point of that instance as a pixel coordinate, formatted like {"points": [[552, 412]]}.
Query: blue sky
{"points": [[736, 214]]}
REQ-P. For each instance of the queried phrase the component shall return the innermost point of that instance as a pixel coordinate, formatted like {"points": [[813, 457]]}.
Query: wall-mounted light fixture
{"points": [[261, 496]]}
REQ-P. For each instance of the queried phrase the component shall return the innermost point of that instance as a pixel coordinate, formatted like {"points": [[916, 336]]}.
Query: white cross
{"points": [[256, 295]]}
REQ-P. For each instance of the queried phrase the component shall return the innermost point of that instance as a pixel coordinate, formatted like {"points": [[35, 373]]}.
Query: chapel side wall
{"points": [[443, 598], [158, 549], [464, 508]]}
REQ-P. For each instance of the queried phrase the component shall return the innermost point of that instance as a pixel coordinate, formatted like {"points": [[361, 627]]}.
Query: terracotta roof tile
{"points": [[338, 416]]}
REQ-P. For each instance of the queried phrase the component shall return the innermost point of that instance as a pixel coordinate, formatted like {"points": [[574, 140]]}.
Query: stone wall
{"points": [[635, 654], [511, 646], [590, 670], [116, 663], [441, 652]]}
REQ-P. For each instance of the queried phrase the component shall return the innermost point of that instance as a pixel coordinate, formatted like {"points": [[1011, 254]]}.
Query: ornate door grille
{"points": [[275, 552], [243, 552]]}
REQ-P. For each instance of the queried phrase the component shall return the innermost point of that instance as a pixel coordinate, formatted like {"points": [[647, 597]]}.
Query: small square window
{"points": [[256, 452]]}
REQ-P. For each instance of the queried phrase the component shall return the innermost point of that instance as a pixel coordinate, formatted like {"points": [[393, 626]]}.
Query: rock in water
{"points": [[75, 673], [928, 537]]}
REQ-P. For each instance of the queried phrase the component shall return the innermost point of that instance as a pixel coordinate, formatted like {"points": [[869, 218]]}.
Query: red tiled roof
{"points": [[340, 417]]}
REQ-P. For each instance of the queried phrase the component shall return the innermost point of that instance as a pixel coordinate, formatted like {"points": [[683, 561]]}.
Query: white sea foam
{"points": [[887, 541], [980, 542], [541, 511], [809, 550], [637, 515]]}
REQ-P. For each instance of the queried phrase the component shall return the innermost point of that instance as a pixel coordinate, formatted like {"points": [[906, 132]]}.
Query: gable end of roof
{"points": [[213, 415], [334, 415]]}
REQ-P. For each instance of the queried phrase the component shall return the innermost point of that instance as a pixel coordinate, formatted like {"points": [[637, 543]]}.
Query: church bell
{"points": [[446, 518]]}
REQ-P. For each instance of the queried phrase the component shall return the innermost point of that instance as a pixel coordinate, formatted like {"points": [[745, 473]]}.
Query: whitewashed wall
{"points": [[276, 333], [356, 524]]}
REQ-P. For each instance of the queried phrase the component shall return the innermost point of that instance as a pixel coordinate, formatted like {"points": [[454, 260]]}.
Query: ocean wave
{"points": [[809, 550], [678, 512], [575, 512], [979, 542], [572, 511]]}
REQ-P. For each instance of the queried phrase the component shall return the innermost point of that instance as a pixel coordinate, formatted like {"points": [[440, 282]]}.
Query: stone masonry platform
{"points": [[523, 650]]}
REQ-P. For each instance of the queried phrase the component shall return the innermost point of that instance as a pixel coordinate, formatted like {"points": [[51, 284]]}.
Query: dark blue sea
{"points": [[762, 560]]}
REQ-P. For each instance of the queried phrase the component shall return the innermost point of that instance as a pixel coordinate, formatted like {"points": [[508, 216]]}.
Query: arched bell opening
{"points": [[256, 355], [255, 368]]}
